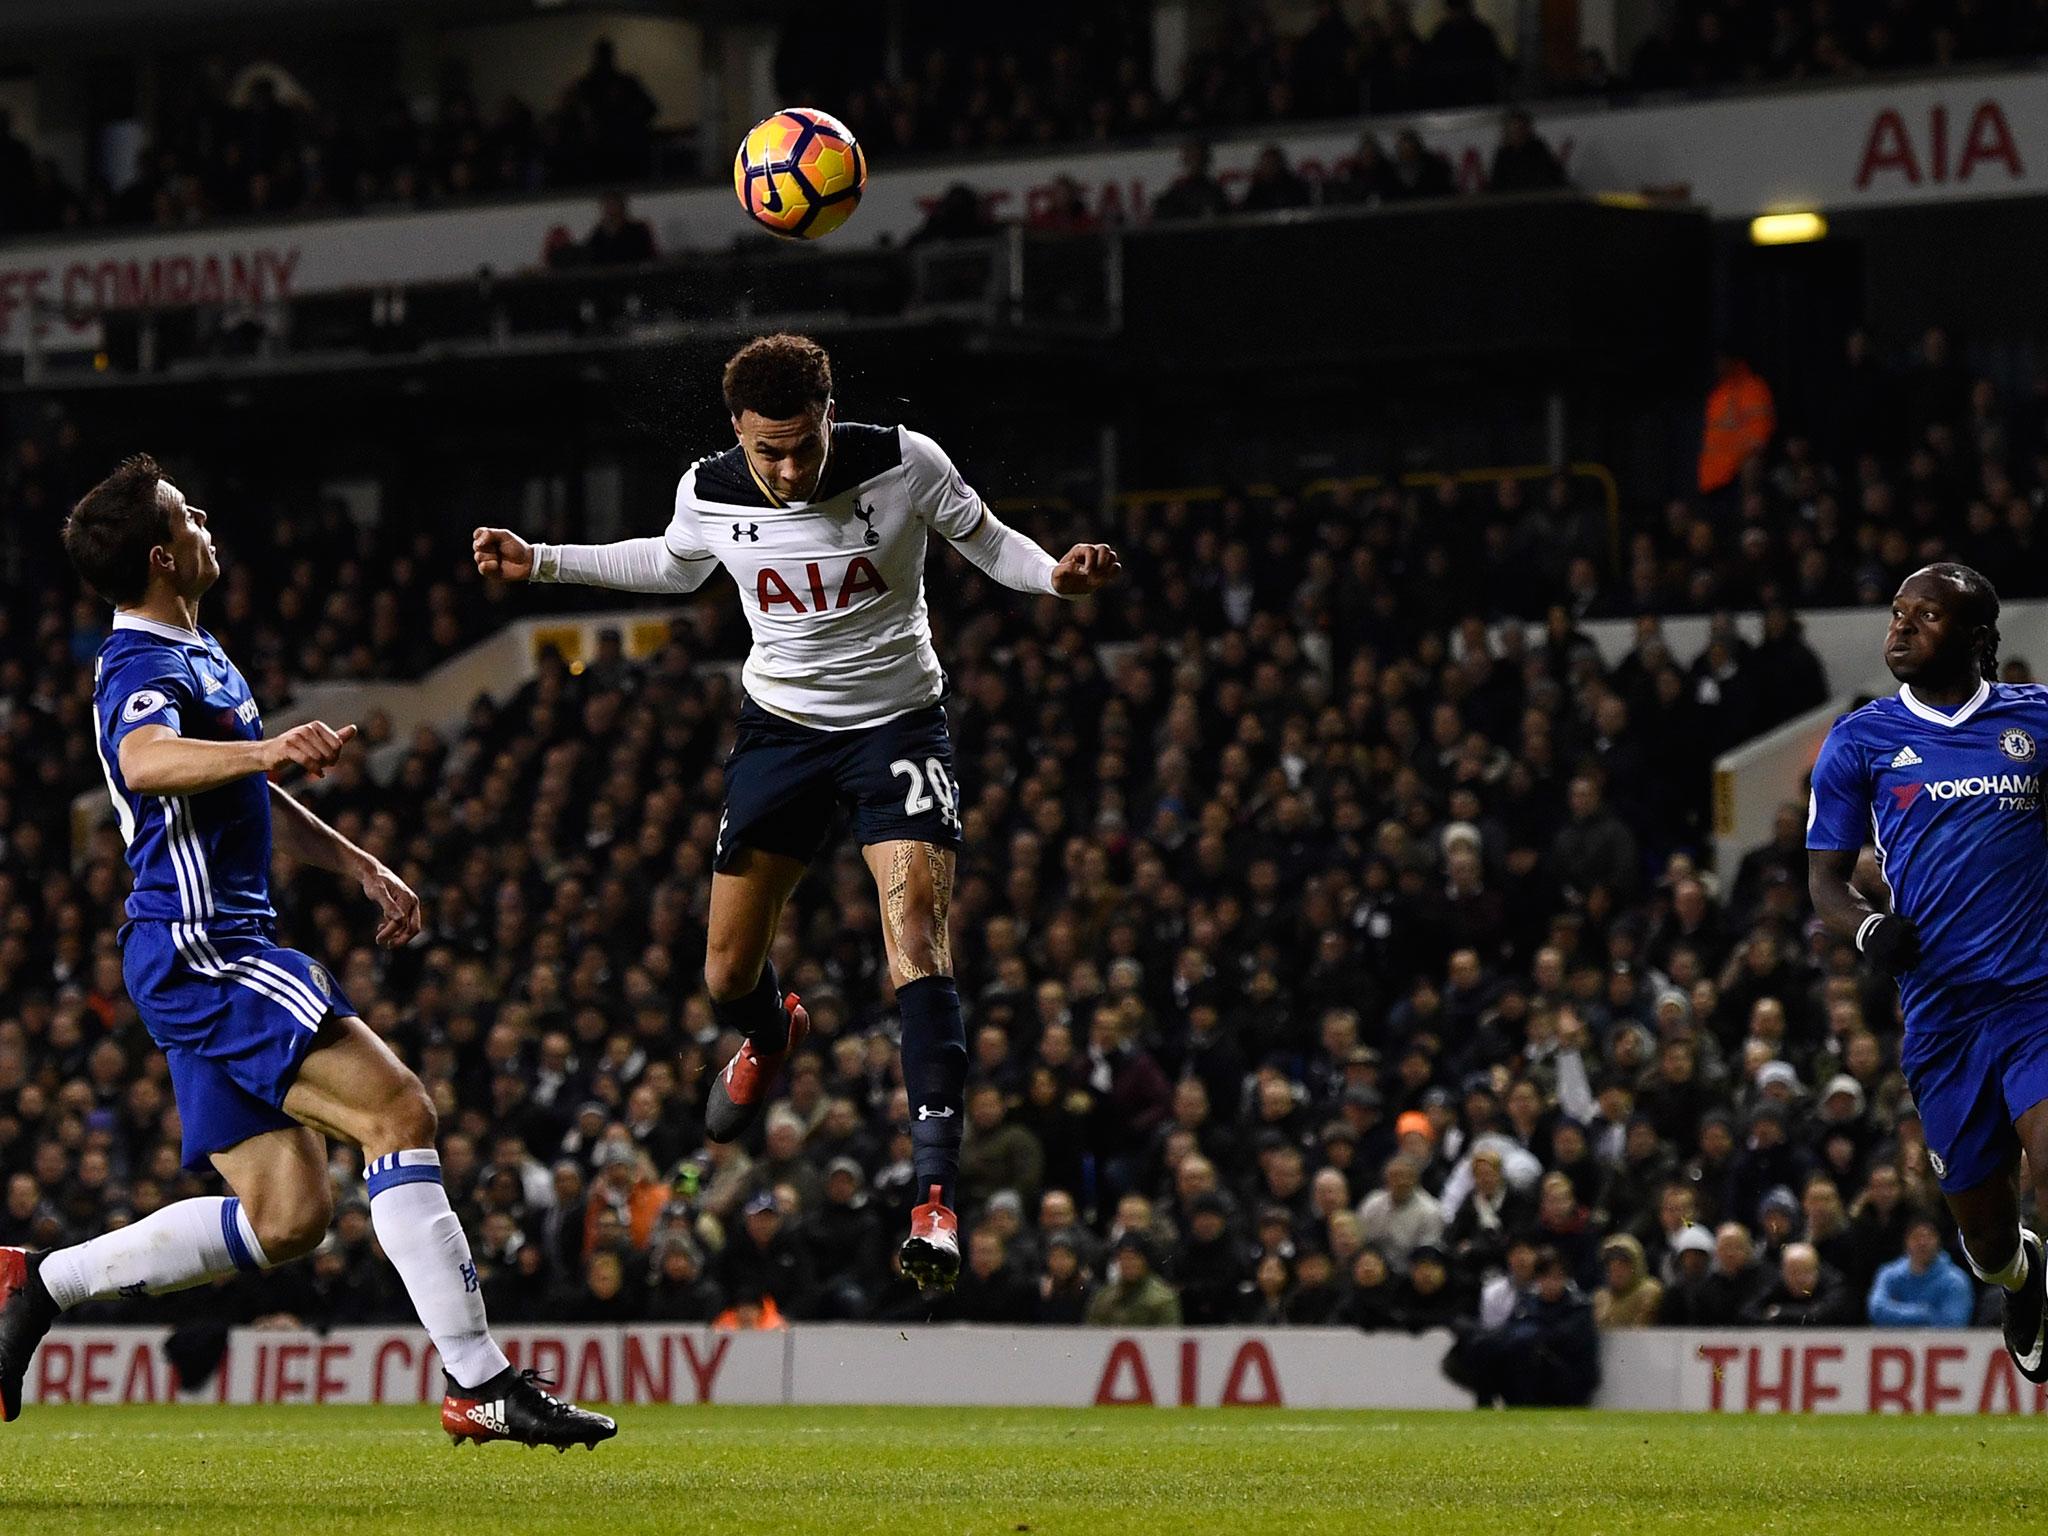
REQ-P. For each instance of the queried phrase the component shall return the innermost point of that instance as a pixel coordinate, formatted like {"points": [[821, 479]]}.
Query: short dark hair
{"points": [[778, 377], [115, 525]]}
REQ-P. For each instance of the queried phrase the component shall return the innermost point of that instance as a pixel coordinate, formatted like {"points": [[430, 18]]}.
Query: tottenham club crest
{"points": [[2017, 745]]}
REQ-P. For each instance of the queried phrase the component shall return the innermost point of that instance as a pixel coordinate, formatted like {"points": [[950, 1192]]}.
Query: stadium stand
{"points": [[254, 141], [1333, 924]]}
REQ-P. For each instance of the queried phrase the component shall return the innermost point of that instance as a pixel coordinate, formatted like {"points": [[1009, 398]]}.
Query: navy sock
{"points": [[935, 1073], [759, 1014]]}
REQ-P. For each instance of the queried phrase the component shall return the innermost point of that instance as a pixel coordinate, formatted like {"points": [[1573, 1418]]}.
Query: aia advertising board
{"points": [[1730, 1371]]}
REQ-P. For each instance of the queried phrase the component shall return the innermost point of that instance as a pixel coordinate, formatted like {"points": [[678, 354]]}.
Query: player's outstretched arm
{"points": [[297, 832], [631, 565], [156, 760], [1889, 941], [1020, 564]]}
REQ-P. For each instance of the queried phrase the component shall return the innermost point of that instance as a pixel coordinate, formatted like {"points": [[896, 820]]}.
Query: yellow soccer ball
{"points": [[799, 174]]}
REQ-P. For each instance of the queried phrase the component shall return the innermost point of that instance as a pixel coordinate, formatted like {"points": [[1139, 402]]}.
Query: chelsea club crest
{"points": [[2017, 745]]}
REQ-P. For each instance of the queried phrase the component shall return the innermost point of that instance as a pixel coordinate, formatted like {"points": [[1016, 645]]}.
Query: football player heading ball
{"points": [[822, 525]]}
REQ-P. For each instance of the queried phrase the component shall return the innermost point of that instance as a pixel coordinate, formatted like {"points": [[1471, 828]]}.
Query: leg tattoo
{"points": [[939, 870]]}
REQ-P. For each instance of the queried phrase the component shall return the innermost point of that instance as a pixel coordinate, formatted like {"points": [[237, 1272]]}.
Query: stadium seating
{"points": [[1298, 855], [252, 143]]}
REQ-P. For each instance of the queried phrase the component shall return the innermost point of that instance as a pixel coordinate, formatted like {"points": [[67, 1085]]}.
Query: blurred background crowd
{"points": [[1341, 926], [1336, 928]]}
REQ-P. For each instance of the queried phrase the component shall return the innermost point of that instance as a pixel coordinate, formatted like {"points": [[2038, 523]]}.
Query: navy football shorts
{"points": [[785, 783], [234, 1014]]}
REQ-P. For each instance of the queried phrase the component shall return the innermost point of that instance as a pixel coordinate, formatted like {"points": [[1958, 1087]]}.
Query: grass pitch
{"points": [[215, 1471]]}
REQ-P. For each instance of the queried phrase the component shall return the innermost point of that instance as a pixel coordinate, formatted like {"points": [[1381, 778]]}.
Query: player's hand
{"points": [[1893, 945], [314, 746], [1087, 568], [501, 552], [397, 901]]}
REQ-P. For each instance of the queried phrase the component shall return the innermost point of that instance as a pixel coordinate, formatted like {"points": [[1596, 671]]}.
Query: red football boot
{"points": [[931, 1254], [512, 1406], [740, 1092], [26, 1313]]}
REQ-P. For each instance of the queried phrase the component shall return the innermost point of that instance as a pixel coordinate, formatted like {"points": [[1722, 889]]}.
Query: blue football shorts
{"points": [[235, 1014], [1971, 1084]]}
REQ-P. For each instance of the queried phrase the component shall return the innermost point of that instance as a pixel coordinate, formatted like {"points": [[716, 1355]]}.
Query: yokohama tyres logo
{"points": [[1984, 784]]}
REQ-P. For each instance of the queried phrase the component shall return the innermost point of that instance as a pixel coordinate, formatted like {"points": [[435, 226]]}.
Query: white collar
{"points": [[1933, 716], [150, 626]]}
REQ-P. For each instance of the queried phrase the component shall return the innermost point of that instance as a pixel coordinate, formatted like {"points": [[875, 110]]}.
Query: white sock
{"points": [[423, 1238], [168, 1250], [2010, 1278]]}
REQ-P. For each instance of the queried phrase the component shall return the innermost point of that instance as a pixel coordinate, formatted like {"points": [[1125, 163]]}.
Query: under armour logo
{"points": [[746, 531], [926, 1112], [469, 1280], [867, 518]]}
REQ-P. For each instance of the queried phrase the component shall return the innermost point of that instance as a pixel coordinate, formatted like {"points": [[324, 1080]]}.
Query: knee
{"points": [[729, 972], [293, 1230], [407, 1119]]}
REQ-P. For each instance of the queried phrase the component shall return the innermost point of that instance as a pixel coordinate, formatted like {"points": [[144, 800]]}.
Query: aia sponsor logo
{"points": [[772, 589]]}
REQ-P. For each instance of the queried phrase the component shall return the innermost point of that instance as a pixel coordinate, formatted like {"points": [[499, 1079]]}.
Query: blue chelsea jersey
{"points": [[196, 858], [1951, 799]]}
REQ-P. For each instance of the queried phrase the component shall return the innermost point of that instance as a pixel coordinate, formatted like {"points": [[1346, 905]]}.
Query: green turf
{"points": [[354, 1471]]}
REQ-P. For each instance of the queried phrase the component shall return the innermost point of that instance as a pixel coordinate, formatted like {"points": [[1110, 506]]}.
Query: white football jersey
{"points": [[833, 588]]}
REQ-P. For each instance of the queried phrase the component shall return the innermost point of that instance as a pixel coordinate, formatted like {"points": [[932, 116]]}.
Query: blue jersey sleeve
{"points": [[1838, 810], [152, 688]]}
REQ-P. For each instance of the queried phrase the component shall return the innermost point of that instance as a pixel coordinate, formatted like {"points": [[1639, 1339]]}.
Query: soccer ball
{"points": [[799, 174]]}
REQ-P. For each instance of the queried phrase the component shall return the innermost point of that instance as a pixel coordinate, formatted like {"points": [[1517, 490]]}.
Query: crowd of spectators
{"points": [[1912, 459], [1702, 44], [1084, 73], [256, 142], [1377, 173], [309, 593], [1338, 945], [955, 79]]}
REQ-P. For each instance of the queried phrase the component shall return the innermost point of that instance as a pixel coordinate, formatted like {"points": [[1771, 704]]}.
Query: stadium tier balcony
{"points": [[273, 132]]}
